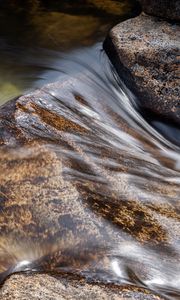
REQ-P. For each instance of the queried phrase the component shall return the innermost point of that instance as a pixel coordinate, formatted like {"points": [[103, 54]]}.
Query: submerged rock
{"points": [[145, 52], [65, 210], [169, 9]]}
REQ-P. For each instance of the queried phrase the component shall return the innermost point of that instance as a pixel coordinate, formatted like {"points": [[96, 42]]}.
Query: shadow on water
{"points": [[99, 195], [166, 127]]}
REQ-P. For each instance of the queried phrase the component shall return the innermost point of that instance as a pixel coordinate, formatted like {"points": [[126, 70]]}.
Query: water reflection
{"points": [[95, 191], [54, 25]]}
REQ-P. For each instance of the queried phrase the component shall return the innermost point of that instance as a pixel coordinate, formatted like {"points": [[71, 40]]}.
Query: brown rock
{"points": [[169, 9], [53, 222], [145, 52], [45, 287]]}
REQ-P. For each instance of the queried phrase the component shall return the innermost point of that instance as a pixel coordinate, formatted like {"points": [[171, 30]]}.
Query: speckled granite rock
{"points": [[145, 51], [45, 287], [162, 8], [51, 223]]}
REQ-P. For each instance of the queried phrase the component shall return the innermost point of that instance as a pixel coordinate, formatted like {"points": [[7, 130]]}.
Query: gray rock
{"points": [[145, 51], [162, 8]]}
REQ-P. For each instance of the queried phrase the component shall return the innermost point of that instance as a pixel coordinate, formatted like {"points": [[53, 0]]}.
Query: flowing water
{"points": [[28, 27], [95, 188]]}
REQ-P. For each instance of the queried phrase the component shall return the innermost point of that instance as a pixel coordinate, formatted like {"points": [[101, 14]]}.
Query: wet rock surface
{"points": [[162, 8], [49, 220], [145, 51]]}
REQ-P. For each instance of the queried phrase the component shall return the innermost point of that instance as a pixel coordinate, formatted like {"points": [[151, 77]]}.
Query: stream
{"points": [[113, 177]]}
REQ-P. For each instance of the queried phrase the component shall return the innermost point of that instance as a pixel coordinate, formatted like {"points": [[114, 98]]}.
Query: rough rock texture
{"points": [[45, 287], [53, 222], [169, 9], [145, 51]]}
